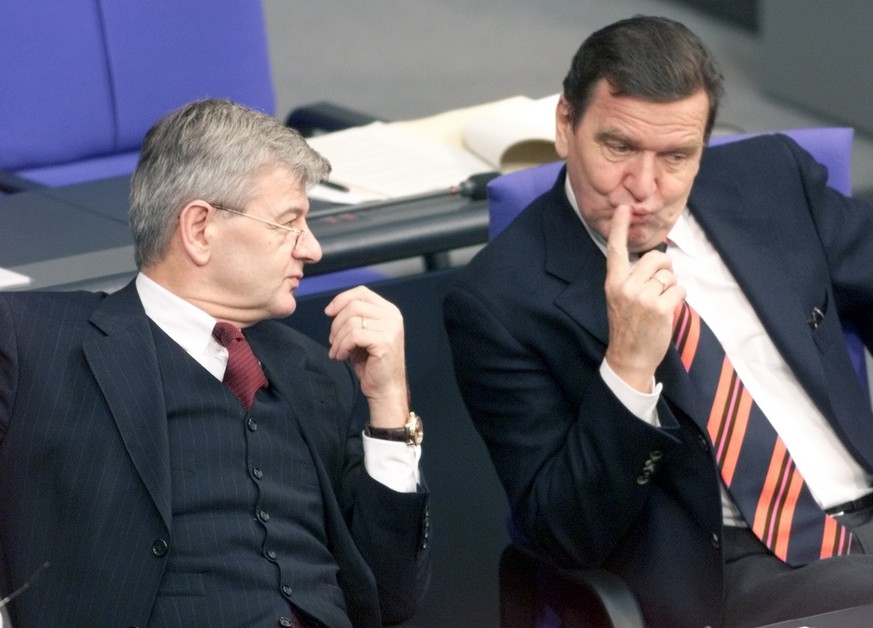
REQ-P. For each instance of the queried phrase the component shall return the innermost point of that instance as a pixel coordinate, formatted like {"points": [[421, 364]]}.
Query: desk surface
{"points": [[77, 236]]}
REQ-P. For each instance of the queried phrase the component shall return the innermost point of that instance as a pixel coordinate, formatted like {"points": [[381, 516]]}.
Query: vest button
{"points": [[252, 424], [159, 547], [271, 554], [286, 590], [257, 473], [263, 515], [285, 622], [704, 444]]}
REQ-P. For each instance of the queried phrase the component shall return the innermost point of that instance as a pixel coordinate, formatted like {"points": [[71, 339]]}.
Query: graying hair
{"points": [[212, 150]]}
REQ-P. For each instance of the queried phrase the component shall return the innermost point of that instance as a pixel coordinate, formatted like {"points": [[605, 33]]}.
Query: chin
{"points": [[281, 309]]}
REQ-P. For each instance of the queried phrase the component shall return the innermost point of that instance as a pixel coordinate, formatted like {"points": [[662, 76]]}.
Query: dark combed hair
{"points": [[652, 58]]}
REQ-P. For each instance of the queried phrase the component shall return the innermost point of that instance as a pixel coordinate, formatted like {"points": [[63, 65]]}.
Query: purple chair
{"points": [[601, 596], [83, 80]]}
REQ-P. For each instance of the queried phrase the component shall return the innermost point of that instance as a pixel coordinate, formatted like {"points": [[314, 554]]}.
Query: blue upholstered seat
{"points": [[83, 80]]}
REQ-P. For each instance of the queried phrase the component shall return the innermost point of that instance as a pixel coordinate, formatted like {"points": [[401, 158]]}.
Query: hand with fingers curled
{"points": [[641, 297], [367, 330]]}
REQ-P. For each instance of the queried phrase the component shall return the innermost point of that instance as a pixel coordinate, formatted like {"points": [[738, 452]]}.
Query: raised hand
{"points": [[641, 297], [368, 331]]}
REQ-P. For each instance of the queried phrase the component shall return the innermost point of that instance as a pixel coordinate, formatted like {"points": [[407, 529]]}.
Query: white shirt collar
{"points": [[189, 326]]}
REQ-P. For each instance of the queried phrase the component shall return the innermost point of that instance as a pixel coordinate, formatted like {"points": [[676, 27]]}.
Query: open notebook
{"points": [[391, 160]]}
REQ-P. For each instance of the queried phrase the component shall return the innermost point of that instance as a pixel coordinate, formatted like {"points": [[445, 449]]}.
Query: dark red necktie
{"points": [[755, 465], [244, 375]]}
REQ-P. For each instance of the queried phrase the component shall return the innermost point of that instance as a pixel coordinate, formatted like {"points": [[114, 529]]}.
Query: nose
{"points": [[641, 178], [308, 248]]}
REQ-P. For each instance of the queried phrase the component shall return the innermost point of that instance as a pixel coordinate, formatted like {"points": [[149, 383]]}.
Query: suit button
{"points": [[703, 442], [159, 547], [716, 542]]}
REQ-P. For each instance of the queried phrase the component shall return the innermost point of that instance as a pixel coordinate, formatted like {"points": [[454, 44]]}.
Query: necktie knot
{"points": [[244, 375]]}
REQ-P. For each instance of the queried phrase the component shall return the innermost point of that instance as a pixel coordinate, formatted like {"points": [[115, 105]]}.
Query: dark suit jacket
{"points": [[84, 465], [590, 484]]}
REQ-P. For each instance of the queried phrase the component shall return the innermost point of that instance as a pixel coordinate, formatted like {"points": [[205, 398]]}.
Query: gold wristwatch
{"points": [[412, 433]]}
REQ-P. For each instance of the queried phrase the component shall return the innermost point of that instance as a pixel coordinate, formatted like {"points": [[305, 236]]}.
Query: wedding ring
{"points": [[363, 323]]}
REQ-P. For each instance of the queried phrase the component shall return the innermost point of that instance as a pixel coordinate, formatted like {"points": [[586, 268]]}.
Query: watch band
{"points": [[412, 433]]}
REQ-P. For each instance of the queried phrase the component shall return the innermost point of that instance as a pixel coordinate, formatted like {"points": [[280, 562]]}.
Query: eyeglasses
{"points": [[298, 233]]}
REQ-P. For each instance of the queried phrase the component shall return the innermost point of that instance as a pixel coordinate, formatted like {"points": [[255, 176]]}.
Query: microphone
{"points": [[474, 188]]}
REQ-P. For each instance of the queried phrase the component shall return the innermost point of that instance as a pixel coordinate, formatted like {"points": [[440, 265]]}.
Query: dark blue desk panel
{"points": [[858, 617], [64, 242], [77, 236]]}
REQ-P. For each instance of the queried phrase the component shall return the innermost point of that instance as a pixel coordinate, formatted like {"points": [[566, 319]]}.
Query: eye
{"points": [[615, 150], [676, 160]]}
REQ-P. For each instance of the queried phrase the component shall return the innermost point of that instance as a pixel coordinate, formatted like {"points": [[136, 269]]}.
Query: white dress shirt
{"points": [[831, 473], [394, 464]]}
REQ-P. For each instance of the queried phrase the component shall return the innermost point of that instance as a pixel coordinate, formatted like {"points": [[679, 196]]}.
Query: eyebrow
{"points": [[689, 147], [291, 213]]}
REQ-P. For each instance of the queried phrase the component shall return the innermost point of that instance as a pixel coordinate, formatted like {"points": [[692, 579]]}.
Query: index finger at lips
{"points": [[616, 245]]}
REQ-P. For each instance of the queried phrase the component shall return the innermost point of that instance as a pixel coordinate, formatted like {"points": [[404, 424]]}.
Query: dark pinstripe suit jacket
{"points": [[84, 477]]}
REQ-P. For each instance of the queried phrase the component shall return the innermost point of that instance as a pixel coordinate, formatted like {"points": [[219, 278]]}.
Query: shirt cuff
{"points": [[393, 463], [641, 405]]}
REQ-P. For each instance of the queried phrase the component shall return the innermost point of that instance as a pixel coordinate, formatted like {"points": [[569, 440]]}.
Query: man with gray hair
{"points": [[178, 458]]}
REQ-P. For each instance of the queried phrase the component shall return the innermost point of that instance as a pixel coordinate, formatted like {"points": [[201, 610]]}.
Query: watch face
{"points": [[414, 429]]}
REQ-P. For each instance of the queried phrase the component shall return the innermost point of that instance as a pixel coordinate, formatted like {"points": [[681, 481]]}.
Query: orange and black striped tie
{"points": [[755, 465]]}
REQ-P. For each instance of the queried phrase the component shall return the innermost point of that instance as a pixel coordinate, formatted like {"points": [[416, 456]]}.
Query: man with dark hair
{"points": [[176, 458], [683, 415]]}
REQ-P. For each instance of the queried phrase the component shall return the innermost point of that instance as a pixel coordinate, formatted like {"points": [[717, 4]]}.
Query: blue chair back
{"points": [[83, 80], [830, 146]]}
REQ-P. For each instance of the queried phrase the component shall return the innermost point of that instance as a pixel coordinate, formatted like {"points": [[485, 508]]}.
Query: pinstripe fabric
{"points": [[86, 474], [245, 500], [755, 465], [68, 447]]}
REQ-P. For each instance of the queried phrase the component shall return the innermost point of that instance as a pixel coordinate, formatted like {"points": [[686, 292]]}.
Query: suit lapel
{"points": [[571, 255], [124, 363], [745, 239]]}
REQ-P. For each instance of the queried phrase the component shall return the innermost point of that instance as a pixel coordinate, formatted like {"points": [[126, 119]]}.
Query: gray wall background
{"points": [[404, 59]]}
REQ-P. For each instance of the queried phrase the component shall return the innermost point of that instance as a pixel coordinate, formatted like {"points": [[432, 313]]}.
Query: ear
{"points": [[195, 234], [564, 132]]}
